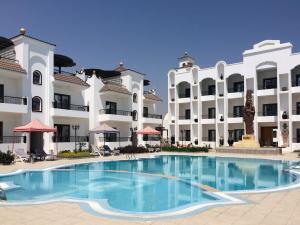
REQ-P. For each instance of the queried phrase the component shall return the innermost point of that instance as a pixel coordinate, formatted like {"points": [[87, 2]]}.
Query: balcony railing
{"points": [[184, 117], [210, 139], [296, 112], [184, 96], [13, 100], [267, 113], [153, 116], [114, 139], [234, 90], [115, 112], [262, 87], [296, 140], [212, 116], [71, 107], [70, 138], [295, 84], [12, 139], [205, 93], [184, 138], [233, 115]]}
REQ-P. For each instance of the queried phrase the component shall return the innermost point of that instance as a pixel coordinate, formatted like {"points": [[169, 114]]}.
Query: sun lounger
{"points": [[95, 150], [22, 155], [107, 150], [42, 155], [150, 148]]}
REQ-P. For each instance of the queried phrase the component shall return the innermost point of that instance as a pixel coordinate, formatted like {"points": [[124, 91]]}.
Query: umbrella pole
{"points": [[13, 143]]}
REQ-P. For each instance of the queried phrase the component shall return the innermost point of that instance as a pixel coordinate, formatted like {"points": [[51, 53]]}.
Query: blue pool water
{"points": [[149, 185]]}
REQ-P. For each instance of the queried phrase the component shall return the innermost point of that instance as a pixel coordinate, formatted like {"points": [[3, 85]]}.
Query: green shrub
{"points": [[6, 158], [72, 155], [184, 149], [130, 149]]}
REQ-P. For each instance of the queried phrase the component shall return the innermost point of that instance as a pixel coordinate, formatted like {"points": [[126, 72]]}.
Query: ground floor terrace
{"points": [[281, 207]]}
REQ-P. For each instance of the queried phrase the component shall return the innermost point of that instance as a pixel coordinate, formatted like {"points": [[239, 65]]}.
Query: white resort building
{"points": [[33, 86], [205, 105]]}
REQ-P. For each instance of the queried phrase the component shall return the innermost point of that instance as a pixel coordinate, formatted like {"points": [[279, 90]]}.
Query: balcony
{"points": [[296, 115], [183, 98], [12, 104], [208, 139], [267, 116], [184, 120], [295, 87], [115, 115], [267, 90], [208, 95], [70, 110], [152, 118], [235, 117], [208, 119], [235, 93]]}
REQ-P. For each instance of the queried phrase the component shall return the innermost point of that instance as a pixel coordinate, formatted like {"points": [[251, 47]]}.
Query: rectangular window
{"points": [[1, 93], [270, 83], [1, 131], [145, 112], [211, 89], [238, 134], [211, 113], [238, 86], [298, 135], [297, 79], [187, 135], [62, 101], [187, 92], [187, 114], [238, 111], [298, 108], [63, 132], [270, 110], [211, 135], [110, 107]]}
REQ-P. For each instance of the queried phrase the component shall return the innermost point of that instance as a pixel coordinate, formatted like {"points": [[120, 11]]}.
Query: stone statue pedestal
{"points": [[248, 141]]}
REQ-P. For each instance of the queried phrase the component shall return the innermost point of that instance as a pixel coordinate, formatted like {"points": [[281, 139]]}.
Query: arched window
{"points": [[134, 98], [37, 77], [134, 115], [37, 104]]}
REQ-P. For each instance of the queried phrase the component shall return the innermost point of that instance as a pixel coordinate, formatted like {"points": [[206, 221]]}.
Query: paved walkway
{"points": [[282, 208]]}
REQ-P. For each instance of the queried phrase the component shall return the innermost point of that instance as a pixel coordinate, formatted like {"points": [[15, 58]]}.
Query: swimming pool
{"points": [[151, 185]]}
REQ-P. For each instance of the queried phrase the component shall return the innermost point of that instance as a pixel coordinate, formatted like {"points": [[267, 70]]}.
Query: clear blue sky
{"points": [[149, 35]]}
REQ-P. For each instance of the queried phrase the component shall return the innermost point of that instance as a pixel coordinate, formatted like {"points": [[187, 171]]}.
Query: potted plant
{"points": [[221, 141], [221, 118], [221, 94], [285, 115], [284, 88], [221, 76], [196, 120]]}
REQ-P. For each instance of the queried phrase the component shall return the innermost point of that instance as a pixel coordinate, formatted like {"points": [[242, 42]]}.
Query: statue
{"points": [[249, 112], [285, 135]]}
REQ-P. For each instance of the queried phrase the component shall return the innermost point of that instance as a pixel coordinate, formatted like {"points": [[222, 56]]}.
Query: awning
{"points": [[104, 128], [35, 126], [148, 130]]}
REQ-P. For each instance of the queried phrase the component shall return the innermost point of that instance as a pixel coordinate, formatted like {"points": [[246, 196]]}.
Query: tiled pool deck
{"points": [[266, 208]]}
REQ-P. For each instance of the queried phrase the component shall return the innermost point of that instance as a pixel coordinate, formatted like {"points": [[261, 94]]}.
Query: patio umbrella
{"points": [[34, 126], [148, 130], [105, 129]]}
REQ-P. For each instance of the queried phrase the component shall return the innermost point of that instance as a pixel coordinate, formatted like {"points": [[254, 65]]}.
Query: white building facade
{"points": [[205, 105], [75, 103]]}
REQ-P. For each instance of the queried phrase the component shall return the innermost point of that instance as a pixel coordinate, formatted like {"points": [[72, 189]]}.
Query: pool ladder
{"points": [[2, 195]]}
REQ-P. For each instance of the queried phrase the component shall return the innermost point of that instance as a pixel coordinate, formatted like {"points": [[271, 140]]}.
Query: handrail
{"points": [[209, 116], [13, 100], [230, 115], [115, 112], [12, 139], [206, 93], [71, 107], [154, 116], [267, 113], [233, 90]]}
